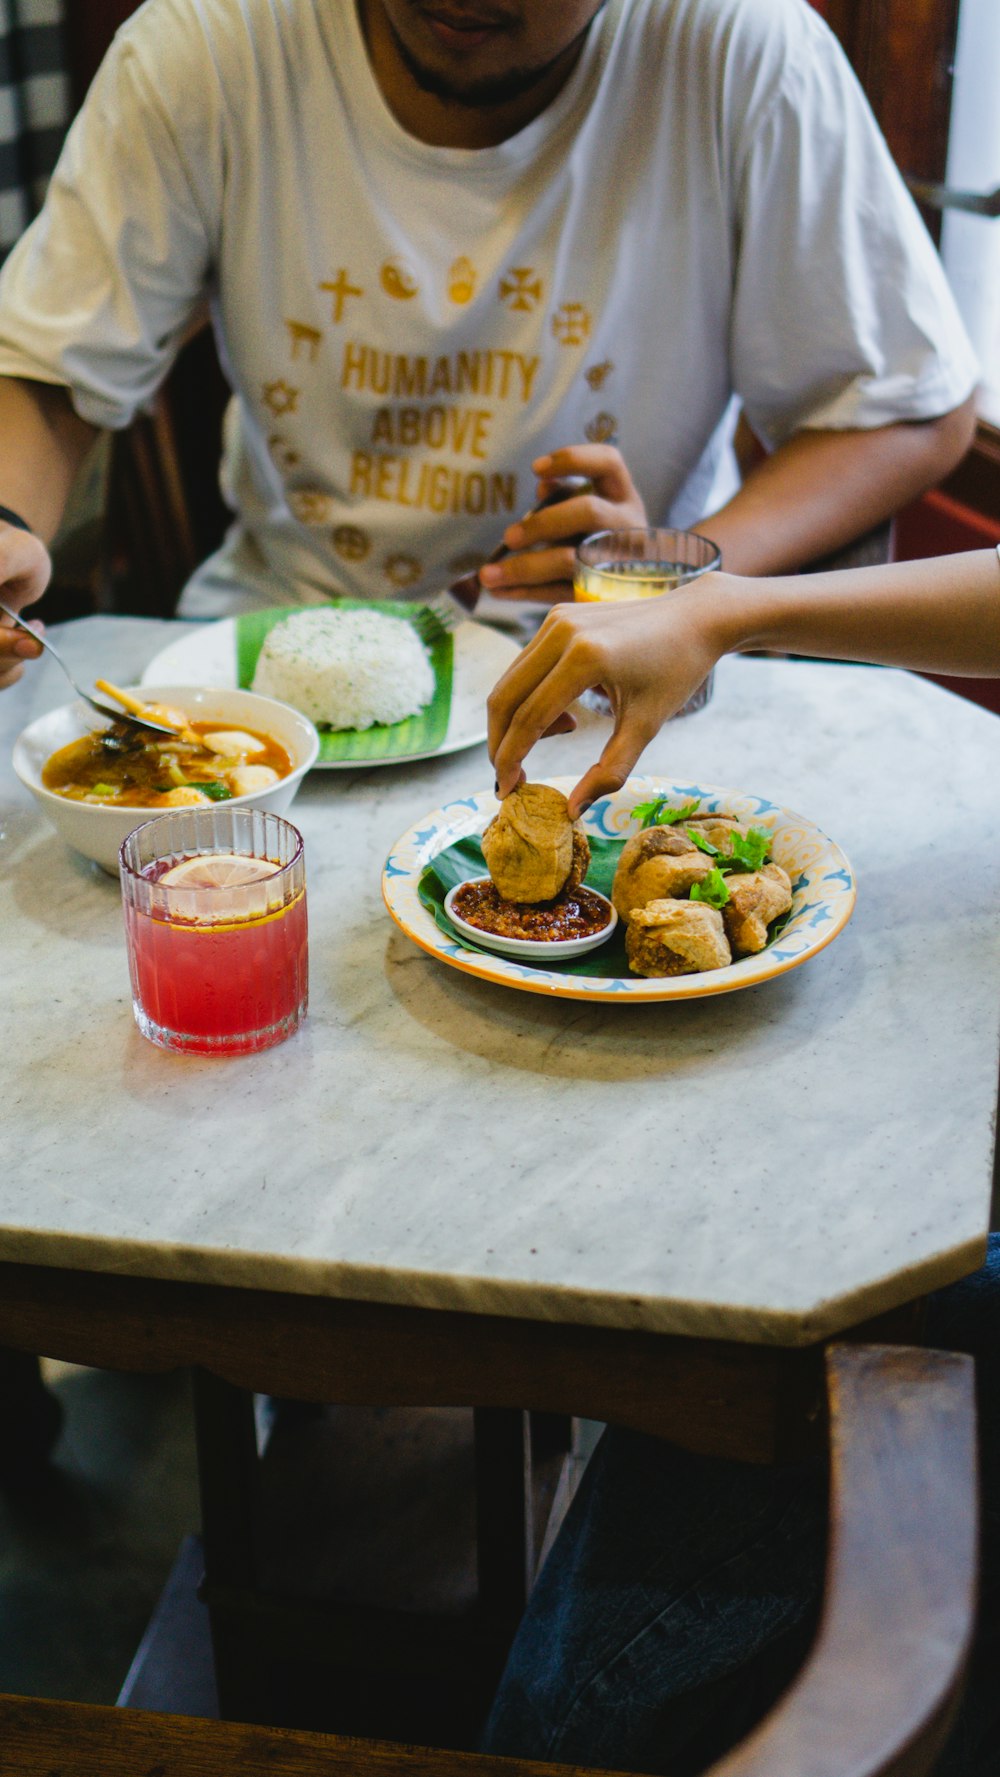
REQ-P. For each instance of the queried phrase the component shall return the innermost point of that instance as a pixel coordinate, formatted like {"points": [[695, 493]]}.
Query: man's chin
{"points": [[474, 94]]}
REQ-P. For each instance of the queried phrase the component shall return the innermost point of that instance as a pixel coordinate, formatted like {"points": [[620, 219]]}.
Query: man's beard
{"points": [[499, 89]]}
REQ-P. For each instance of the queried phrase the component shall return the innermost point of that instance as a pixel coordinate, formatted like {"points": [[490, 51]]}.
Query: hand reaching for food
{"points": [[25, 567], [648, 661], [542, 545]]}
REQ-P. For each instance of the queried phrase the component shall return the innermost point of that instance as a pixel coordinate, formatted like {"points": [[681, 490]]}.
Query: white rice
{"points": [[346, 669]]}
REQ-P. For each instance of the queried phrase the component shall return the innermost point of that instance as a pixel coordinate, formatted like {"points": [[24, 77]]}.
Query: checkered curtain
{"points": [[34, 107]]}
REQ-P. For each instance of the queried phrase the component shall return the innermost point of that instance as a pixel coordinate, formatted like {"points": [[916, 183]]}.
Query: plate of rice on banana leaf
{"points": [[383, 683]]}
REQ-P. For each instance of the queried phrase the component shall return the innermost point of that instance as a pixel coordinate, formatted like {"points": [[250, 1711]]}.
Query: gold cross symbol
{"points": [[340, 290], [571, 323], [521, 290]]}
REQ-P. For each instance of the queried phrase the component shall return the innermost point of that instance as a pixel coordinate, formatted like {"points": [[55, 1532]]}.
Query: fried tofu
{"points": [[532, 848], [657, 863], [754, 901], [669, 937]]}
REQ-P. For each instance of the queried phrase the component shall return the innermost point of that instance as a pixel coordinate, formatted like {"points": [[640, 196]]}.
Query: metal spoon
{"points": [[103, 709]]}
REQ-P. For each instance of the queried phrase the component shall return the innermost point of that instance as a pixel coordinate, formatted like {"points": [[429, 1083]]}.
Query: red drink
{"points": [[216, 938], [228, 988]]}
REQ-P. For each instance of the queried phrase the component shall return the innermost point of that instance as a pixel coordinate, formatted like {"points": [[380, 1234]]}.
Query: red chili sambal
{"points": [[576, 913]]}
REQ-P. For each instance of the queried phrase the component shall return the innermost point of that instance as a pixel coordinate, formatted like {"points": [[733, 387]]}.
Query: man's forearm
{"points": [[820, 490], [42, 445]]}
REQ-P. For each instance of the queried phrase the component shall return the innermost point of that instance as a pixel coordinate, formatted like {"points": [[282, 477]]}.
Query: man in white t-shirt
{"points": [[447, 246], [440, 240]]}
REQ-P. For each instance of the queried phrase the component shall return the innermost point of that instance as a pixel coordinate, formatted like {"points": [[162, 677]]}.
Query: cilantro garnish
{"points": [[712, 889], [748, 852], [657, 813], [705, 845]]}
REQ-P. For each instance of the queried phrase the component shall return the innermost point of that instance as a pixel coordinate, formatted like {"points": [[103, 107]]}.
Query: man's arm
{"points": [[43, 442], [815, 493], [821, 490]]}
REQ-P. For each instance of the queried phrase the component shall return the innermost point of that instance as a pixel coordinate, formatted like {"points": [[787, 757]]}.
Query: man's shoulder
{"points": [[744, 25], [221, 23]]}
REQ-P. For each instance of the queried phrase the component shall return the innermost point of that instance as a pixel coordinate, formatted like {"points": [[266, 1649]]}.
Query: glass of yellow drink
{"points": [[640, 564]]}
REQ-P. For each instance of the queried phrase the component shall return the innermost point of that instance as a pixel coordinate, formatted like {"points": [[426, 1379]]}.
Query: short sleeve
{"points": [[842, 314], [99, 292]]}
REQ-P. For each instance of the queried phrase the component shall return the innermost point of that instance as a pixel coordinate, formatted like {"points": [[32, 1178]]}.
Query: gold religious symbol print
{"points": [[351, 542], [602, 428], [340, 288], [521, 289], [281, 451], [303, 338], [462, 281], [398, 280], [571, 324], [402, 570], [280, 397], [310, 505], [597, 374]]}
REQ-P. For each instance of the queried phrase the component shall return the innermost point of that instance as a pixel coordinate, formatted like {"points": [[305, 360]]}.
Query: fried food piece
{"points": [[581, 858], [670, 937], [754, 901], [654, 864], [718, 829], [531, 846]]}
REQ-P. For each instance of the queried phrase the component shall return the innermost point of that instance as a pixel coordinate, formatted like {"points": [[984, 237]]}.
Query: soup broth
{"points": [[119, 767]]}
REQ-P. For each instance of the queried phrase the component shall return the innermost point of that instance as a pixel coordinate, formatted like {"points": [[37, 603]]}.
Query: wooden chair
{"points": [[874, 1699]]}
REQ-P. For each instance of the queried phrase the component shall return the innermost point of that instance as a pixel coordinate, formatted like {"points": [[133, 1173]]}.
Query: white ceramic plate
{"points": [[206, 655], [529, 947], [823, 892]]}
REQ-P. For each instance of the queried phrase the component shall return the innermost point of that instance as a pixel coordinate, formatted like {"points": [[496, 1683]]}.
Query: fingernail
{"points": [[513, 536], [490, 576], [540, 465]]}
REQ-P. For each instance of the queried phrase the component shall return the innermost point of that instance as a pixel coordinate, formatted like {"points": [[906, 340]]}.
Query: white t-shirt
{"points": [[706, 210]]}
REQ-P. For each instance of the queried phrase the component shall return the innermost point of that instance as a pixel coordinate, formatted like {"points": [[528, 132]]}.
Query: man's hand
{"points": [[25, 568], [649, 655], [543, 545]]}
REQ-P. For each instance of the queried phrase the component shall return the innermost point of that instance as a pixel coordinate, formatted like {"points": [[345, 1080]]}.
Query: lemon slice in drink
{"points": [[218, 869]]}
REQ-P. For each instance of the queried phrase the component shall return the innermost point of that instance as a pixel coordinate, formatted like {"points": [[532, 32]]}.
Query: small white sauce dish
{"points": [[529, 949], [99, 832]]}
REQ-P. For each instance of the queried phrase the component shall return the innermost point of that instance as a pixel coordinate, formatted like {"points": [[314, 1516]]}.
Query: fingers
{"points": [[15, 648], [25, 568], [617, 762], [542, 545], [603, 464], [545, 575], [532, 700]]}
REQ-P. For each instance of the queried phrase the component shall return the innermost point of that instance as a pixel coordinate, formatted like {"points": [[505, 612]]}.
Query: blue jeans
{"points": [[682, 1593]]}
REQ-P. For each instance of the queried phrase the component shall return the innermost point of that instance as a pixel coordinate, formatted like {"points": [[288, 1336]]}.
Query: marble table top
{"points": [[771, 1165]]}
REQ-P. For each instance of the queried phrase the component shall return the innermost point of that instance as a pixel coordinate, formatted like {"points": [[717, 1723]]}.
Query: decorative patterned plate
{"points": [[207, 655], [823, 892]]}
